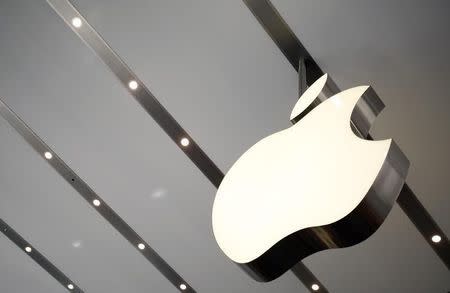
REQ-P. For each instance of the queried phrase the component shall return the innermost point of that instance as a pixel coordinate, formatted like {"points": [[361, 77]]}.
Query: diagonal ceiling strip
{"points": [[283, 36], [145, 98], [423, 221], [93, 198], [272, 22], [40, 259], [142, 94], [307, 277]]}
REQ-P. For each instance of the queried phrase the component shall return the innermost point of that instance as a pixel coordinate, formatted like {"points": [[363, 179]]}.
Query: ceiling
{"points": [[219, 74]]}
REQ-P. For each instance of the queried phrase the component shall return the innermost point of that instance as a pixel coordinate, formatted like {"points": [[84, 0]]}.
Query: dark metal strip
{"points": [[308, 278], [426, 225], [275, 26], [289, 44], [302, 86], [39, 258], [142, 94], [90, 196]]}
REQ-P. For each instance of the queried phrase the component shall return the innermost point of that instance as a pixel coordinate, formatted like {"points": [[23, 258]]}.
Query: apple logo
{"points": [[313, 186]]}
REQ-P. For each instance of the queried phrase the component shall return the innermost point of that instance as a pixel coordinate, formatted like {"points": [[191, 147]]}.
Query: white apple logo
{"points": [[310, 187]]}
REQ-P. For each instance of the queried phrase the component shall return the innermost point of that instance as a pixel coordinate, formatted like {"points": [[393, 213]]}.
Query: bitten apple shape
{"points": [[310, 187]]}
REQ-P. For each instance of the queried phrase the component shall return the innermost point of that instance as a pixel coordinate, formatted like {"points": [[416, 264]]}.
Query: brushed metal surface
{"points": [[38, 257]]}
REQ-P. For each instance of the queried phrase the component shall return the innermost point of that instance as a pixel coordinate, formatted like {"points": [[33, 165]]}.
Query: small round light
{"points": [[315, 287], [183, 287], [141, 246], [70, 286], [48, 155], [133, 85], [184, 142], [76, 22], [96, 202], [436, 238], [28, 249]]}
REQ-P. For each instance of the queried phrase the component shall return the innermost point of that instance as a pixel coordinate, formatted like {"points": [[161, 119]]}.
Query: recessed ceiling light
{"points": [[76, 22], [70, 286], [48, 155], [96, 202], [184, 141], [133, 85], [315, 287], [28, 249], [436, 238], [141, 246], [183, 287]]}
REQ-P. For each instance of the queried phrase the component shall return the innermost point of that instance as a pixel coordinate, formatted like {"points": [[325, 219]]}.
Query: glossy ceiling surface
{"points": [[220, 75]]}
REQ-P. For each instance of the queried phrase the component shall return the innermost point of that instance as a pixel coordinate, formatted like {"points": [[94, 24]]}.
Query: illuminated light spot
{"points": [[436, 238], [133, 85], [184, 142], [76, 22]]}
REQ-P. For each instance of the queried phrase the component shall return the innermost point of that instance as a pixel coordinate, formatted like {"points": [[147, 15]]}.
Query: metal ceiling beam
{"points": [[39, 258], [93, 198], [280, 32], [142, 94], [284, 37], [148, 101], [423, 221], [307, 277]]}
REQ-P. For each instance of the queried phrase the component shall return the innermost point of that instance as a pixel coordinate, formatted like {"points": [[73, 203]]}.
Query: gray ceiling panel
{"points": [[103, 134], [48, 213], [217, 72], [209, 64]]}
